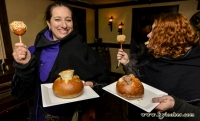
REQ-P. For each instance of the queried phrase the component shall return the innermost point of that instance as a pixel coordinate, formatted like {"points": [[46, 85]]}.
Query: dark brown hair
{"points": [[48, 12], [172, 36]]}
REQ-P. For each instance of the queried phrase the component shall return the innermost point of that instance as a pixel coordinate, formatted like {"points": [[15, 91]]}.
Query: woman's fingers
{"points": [[18, 57], [165, 103], [120, 54], [20, 45], [20, 53], [88, 83], [122, 57], [159, 99]]}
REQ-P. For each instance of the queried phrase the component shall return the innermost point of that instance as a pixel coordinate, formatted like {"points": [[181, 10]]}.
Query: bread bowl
{"points": [[129, 87], [68, 85]]}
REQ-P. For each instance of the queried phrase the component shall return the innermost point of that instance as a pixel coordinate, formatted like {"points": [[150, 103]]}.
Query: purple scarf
{"points": [[48, 57]]}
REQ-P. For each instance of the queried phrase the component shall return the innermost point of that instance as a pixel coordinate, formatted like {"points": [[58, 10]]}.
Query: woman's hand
{"points": [[166, 102], [21, 54], [122, 57], [88, 83]]}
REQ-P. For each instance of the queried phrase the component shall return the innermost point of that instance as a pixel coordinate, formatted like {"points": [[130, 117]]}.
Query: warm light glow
{"points": [[110, 22], [120, 27], [111, 19]]}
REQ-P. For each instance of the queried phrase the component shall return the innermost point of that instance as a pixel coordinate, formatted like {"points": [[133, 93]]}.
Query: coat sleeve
{"points": [[136, 57], [101, 73], [190, 112], [23, 84], [98, 70], [131, 68]]}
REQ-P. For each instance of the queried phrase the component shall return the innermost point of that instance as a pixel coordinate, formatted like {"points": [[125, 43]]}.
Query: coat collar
{"points": [[42, 41], [191, 58]]}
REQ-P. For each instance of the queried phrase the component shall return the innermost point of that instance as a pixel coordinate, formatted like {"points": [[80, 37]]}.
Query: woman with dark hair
{"points": [[171, 65], [57, 47]]}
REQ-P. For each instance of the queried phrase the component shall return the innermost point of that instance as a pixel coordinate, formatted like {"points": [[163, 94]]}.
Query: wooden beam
{"points": [[5, 30], [110, 45]]}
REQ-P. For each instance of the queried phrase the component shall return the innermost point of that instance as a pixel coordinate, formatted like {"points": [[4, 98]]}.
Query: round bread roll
{"points": [[68, 85], [129, 87]]}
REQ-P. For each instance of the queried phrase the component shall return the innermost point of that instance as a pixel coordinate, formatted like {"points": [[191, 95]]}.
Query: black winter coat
{"points": [[178, 77], [73, 54]]}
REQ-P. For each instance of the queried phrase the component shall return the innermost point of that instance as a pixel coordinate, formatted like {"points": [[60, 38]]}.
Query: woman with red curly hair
{"points": [[171, 65], [173, 36]]}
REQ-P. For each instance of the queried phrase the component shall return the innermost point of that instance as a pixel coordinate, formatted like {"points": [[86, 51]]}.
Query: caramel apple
{"points": [[18, 28]]}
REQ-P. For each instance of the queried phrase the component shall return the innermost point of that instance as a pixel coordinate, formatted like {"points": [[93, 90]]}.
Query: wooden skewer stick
{"points": [[20, 38], [120, 45], [118, 60]]}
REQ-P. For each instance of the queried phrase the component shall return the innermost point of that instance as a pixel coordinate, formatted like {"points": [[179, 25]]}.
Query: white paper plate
{"points": [[49, 99], [145, 102]]}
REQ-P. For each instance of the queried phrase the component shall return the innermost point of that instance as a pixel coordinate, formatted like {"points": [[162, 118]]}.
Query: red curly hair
{"points": [[172, 36]]}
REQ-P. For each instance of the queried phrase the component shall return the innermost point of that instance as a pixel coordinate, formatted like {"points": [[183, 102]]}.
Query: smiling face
{"points": [[61, 23]]}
